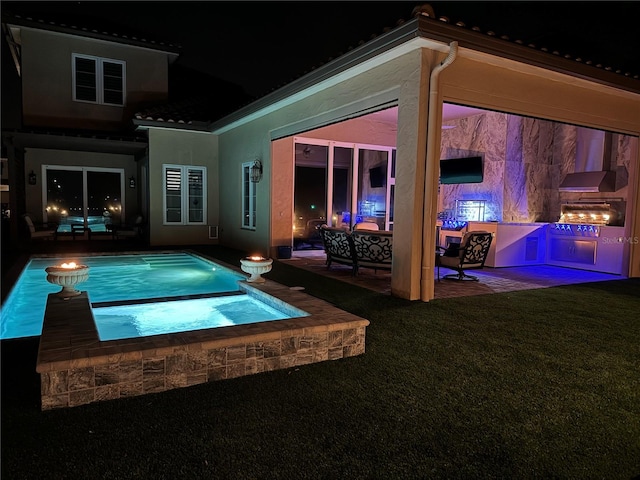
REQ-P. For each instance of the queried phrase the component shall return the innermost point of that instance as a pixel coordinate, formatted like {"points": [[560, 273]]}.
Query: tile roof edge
{"points": [[133, 40]]}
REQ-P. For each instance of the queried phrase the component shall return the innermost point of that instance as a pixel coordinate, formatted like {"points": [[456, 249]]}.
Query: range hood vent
{"points": [[589, 182], [592, 163]]}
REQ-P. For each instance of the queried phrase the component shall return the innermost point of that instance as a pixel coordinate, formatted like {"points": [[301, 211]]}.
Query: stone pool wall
{"points": [[76, 368]]}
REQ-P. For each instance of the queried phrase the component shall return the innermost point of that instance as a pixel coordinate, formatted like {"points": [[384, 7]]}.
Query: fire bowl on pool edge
{"points": [[67, 276], [256, 266]]}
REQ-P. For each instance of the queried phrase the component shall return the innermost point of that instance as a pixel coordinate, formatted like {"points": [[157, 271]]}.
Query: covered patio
{"points": [[491, 280]]}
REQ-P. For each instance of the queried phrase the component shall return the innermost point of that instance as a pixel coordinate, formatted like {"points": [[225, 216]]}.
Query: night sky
{"points": [[264, 45]]}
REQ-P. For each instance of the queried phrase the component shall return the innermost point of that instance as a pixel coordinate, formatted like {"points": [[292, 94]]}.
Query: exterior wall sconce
{"points": [[33, 179], [132, 182], [256, 171]]}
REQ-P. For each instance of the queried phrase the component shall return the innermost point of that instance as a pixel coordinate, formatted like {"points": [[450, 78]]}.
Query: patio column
{"points": [[413, 110]]}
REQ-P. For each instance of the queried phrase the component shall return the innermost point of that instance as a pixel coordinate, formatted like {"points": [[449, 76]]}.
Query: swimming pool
{"points": [[118, 284]]}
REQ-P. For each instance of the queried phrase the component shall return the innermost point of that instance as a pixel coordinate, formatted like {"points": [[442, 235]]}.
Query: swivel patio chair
{"points": [[45, 231], [471, 254]]}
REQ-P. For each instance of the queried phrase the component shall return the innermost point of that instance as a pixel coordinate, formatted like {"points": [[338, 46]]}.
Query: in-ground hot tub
{"points": [[77, 367]]}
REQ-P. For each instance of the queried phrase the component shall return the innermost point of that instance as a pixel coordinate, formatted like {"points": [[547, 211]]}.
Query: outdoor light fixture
{"points": [[256, 171], [32, 178], [132, 182]]}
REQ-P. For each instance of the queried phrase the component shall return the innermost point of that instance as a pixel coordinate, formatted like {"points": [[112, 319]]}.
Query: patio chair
{"points": [[132, 231], [469, 255], [43, 231]]}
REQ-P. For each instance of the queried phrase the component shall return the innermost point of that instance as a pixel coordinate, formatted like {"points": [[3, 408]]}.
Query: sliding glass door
{"points": [[91, 197], [342, 184]]}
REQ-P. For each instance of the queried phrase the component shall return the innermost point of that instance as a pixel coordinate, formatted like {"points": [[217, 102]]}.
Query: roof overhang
{"points": [[420, 32], [81, 143], [13, 24]]}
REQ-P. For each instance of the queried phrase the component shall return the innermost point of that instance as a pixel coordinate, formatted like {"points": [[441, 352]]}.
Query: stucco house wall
{"points": [[181, 148], [253, 140], [48, 55]]}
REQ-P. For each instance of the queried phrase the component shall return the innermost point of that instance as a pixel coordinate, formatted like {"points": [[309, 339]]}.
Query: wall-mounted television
{"points": [[377, 176], [461, 170]]}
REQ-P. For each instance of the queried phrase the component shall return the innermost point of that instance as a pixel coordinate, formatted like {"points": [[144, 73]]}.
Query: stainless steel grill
{"points": [[599, 213]]}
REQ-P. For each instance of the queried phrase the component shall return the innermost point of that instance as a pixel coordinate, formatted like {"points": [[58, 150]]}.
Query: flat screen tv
{"points": [[377, 176], [461, 170]]}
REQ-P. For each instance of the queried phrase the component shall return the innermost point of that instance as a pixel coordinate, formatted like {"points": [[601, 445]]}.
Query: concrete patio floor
{"points": [[491, 280]]}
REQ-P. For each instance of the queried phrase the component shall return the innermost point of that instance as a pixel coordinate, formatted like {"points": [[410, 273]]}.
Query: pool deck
{"points": [[76, 368]]}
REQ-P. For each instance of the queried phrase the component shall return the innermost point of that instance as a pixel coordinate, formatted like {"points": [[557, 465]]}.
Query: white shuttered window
{"points": [[98, 80], [185, 195]]}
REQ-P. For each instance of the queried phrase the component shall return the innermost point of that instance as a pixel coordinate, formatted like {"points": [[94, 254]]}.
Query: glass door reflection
{"points": [[83, 197], [64, 200], [104, 200]]}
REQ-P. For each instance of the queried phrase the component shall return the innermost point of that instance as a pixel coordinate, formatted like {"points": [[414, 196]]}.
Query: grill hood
{"points": [[589, 182], [593, 161]]}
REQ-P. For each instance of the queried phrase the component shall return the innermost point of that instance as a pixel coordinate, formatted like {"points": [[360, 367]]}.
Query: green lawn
{"points": [[533, 384]]}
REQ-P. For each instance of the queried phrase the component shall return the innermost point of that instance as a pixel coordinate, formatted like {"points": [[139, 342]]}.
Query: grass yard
{"points": [[531, 384]]}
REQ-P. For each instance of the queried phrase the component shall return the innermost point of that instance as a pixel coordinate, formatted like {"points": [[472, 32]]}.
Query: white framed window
{"points": [[184, 195], [248, 198], [98, 80]]}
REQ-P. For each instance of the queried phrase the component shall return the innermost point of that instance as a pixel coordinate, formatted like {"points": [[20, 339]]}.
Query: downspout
{"points": [[431, 162]]}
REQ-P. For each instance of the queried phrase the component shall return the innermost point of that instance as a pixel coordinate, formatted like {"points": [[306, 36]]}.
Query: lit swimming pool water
{"points": [[142, 320], [114, 278]]}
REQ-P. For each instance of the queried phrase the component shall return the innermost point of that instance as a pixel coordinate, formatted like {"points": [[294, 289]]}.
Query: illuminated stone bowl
{"points": [[256, 266], [67, 275]]}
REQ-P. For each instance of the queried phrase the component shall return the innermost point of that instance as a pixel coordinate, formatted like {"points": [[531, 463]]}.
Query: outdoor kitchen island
{"points": [[592, 247]]}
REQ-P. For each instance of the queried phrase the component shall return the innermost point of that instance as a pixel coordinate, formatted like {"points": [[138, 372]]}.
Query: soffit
{"points": [[426, 32]]}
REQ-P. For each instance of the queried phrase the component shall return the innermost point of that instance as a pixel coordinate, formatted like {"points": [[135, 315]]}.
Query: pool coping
{"points": [[76, 367]]}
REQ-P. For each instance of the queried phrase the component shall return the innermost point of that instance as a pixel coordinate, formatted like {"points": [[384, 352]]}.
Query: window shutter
{"points": [[85, 79], [113, 83], [173, 195]]}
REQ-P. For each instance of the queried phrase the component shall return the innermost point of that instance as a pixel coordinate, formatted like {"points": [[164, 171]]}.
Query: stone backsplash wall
{"points": [[525, 159]]}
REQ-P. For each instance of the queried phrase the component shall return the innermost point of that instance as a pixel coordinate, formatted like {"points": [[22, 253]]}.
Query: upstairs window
{"points": [[98, 80], [185, 195]]}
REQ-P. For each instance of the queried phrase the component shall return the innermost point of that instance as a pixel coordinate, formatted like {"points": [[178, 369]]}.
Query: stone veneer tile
{"points": [[81, 378], [287, 361], [336, 353], [335, 339], [107, 392], [81, 397], [216, 357], [131, 389], [55, 401], [176, 380], [152, 368], [176, 363], [255, 350], [217, 373], [271, 349], [107, 374], [304, 358], [153, 384], [270, 364], [349, 336], [197, 378], [52, 383], [131, 371], [235, 370], [236, 353], [290, 345], [353, 350]]}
